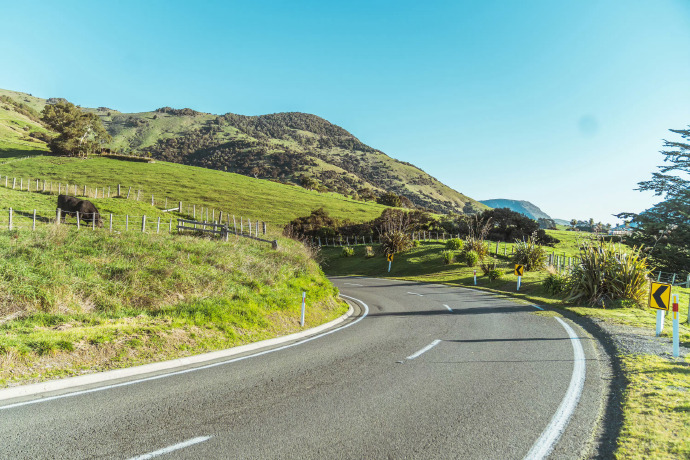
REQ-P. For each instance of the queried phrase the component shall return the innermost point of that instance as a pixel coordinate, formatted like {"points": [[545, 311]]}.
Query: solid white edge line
{"points": [[550, 436], [449, 309], [186, 371], [424, 350], [172, 448]]}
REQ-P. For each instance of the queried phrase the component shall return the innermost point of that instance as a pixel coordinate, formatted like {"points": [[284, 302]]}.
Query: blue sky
{"points": [[561, 103]]}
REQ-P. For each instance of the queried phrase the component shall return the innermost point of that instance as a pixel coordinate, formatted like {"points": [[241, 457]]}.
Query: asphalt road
{"points": [[423, 371]]}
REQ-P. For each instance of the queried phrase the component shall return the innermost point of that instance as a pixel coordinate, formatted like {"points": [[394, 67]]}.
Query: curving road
{"points": [[424, 371]]}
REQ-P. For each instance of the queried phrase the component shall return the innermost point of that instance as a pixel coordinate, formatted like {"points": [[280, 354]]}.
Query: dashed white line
{"points": [[167, 450], [354, 284], [424, 350], [449, 309], [414, 293], [550, 436]]}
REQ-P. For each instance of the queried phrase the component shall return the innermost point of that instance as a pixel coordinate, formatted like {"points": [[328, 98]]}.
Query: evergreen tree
{"points": [[664, 229], [79, 132]]}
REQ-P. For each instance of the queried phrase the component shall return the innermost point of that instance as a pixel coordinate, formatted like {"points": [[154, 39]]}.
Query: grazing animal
{"points": [[71, 205]]}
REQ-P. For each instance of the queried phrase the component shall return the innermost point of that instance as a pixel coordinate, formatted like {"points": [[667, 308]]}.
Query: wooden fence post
{"points": [[158, 225], [220, 217], [126, 222], [194, 211], [234, 224], [37, 185], [10, 223], [33, 225], [152, 201], [108, 191], [58, 211], [128, 192], [83, 194], [170, 229], [93, 221], [21, 183], [179, 207], [143, 223], [138, 193], [264, 228], [78, 219], [111, 222], [14, 182], [118, 190]]}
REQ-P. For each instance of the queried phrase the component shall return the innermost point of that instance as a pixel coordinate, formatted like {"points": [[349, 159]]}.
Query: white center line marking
{"points": [[414, 293], [424, 350], [449, 309], [550, 436], [172, 448], [354, 284]]}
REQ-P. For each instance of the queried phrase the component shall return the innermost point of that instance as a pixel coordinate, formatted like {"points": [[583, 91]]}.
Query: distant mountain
{"points": [[562, 222], [523, 207], [292, 147]]}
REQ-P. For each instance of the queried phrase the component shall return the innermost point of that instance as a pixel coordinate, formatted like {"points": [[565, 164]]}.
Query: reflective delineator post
{"points": [[519, 281], [660, 316], [389, 265], [475, 277], [304, 299], [676, 339]]}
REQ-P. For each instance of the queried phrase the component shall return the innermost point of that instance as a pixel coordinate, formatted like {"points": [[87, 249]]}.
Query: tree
{"points": [[389, 199], [573, 223], [79, 132], [664, 229]]}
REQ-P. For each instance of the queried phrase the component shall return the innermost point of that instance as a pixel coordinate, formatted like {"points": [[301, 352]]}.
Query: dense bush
{"points": [[478, 246], [471, 258], [555, 283], [348, 251], [394, 242], [606, 275], [495, 274], [448, 257], [529, 254], [454, 244], [369, 252]]}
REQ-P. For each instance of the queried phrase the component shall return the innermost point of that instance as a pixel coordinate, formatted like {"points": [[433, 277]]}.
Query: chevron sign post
{"points": [[660, 299]]}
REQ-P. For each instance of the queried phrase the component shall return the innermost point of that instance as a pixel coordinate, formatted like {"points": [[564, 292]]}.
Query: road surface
{"points": [[421, 371]]}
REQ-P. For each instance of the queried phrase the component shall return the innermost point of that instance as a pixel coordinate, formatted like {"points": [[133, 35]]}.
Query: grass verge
{"points": [[73, 302]]}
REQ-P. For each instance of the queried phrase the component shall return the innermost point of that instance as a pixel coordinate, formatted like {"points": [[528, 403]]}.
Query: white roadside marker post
{"points": [[519, 280], [475, 277], [660, 317], [304, 299], [676, 339]]}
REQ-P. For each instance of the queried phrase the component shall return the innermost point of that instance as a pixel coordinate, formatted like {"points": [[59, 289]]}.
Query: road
{"points": [[423, 371]]}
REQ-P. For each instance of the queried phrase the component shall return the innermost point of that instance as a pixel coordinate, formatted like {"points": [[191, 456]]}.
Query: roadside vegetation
{"points": [[82, 301]]}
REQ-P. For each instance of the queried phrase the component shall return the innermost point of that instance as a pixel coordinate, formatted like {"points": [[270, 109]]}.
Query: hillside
{"points": [[523, 207], [286, 147]]}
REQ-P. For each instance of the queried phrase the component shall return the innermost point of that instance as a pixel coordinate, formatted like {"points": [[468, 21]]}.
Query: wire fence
{"points": [[15, 219]]}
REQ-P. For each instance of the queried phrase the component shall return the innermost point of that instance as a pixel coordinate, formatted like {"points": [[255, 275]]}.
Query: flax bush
{"points": [[395, 242], [529, 254], [606, 274]]}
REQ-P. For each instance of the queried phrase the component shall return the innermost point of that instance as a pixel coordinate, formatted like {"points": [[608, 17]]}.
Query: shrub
{"points": [[394, 242], [448, 257], [415, 243], [495, 274], [529, 254], [454, 244], [478, 246], [555, 283], [471, 258], [607, 275], [348, 251], [369, 252]]}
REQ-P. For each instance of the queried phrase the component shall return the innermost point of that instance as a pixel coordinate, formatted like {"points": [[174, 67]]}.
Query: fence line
{"points": [[165, 204], [14, 219]]}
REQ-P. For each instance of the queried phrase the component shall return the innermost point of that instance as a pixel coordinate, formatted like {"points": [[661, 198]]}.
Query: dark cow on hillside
{"points": [[71, 205]]}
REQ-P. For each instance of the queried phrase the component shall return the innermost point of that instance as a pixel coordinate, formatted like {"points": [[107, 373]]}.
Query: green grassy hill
{"points": [[285, 147]]}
